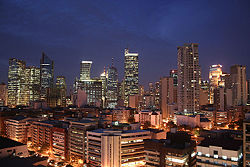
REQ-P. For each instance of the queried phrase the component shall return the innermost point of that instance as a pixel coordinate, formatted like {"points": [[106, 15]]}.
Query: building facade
{"points": [[219, 152], [112, 87], [177, 150], [32, 74], [116, 148], [3, 94], [131, 75], [17, 85], [239, 88], [215, 72], [78, 139], [85, 70], [46, 75], [188, 78], [62, 88], [166, 95]]}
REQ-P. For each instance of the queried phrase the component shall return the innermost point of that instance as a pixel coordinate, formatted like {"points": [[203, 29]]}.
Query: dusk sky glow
{"points": [[72, 31]]}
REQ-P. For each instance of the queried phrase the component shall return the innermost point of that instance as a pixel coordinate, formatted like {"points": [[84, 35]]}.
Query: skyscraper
{"points": [[32, 74], [17, 85], [112, 87], [62, 89], [131, 72], [91, 87], [103, 78], [85, 70], [239, 87], [188, 78], [3, 94], [47, 75], [215, 73]]}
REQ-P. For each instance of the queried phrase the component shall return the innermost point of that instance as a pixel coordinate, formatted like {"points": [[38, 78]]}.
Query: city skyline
{"points": [[84, 41]]}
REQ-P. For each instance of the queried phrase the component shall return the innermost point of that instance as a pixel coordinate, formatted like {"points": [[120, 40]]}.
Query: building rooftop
{"points": [[7, 143], [116, 130], [227, 144], [204, 120], [19, 117], [168, 144]]}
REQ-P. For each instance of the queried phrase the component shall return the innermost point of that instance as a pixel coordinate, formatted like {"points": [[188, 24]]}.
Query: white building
{"points": [[219, 152], [154, 117], [116, 148], [193, 121]]}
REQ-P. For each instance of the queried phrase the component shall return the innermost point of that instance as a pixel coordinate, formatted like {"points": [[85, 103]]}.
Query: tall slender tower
{"points": [[46, 75], [62, 90], [17, 85], [131, 72], [85, 70], [112, 87], [188, 78], [215, 73], [239, 84]]}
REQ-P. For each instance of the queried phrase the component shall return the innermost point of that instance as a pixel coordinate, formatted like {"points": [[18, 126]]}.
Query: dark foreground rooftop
{"points": [[227, 144], [7, 143]]}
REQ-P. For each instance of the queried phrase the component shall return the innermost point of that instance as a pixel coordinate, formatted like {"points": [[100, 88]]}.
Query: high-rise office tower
{"points": [[85, 70], [46, 75], [112, 87], [188, 78], [215, 73], [17, 86], [3, 94], [131, 72], [239, 87], [61, 86], [33, 80]]}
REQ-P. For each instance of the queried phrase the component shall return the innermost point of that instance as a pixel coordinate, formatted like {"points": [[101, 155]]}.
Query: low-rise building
{"points": [[113, 148], [193, 121], [60, 142], [177, 150], [77, 138], [10, 147], [17, 128], [219, 152], [154, 117], [42, 133]]}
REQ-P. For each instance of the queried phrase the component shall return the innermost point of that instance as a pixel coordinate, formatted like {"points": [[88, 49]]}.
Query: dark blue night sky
{"points": [[71, 31]]}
